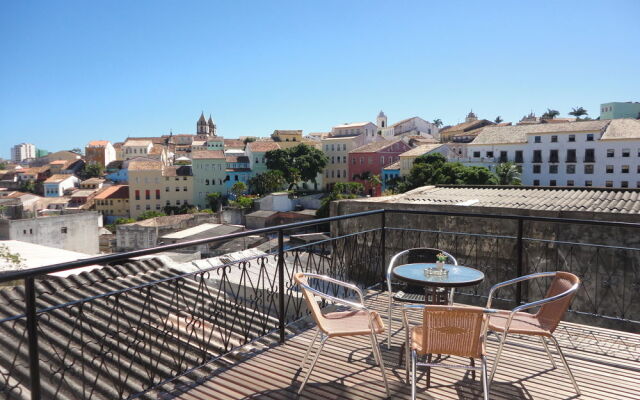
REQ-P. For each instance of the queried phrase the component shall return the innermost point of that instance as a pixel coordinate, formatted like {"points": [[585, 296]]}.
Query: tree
{"points": [[3, 165], [28, 186], [242, 202], [433, 169], [214, 200], [349, 190], [578, 112], [77, 150], [550, 114], [238, 189], [267, 182], [249, 140], [91, 171], [508, 174], [498, 119], [299, 163], [437, 122], [374, 181], [150, 214]]}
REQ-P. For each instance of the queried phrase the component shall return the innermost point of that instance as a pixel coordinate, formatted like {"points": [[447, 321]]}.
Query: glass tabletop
{"points": [[457, 276]]}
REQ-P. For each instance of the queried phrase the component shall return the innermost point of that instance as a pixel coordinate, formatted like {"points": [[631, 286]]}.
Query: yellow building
{"points": [[153, 186], [286, 138], [408, 157], [337, 151], [113, 202]]}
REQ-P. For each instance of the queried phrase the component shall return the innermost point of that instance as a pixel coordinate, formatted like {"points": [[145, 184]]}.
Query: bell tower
{"points": [[203, 127], [381, 121]]}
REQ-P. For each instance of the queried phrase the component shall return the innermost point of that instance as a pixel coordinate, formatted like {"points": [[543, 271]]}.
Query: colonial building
{"points": [[256, 153], [408, 157], [209, 172], [370, 159], [414, 126], [287, 138], [337, 151], [99, 152], [471, 123], [113, 203], [617, 110], [56, 185], [237, 171], [136, 148]]}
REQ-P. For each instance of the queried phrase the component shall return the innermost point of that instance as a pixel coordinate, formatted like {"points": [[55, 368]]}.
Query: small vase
{"points": [[440, 265]]}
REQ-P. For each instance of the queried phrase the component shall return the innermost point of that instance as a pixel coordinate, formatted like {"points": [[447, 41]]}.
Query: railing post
{"points": [[32, 337], [519, 265], [281, 284], [383, 245]]}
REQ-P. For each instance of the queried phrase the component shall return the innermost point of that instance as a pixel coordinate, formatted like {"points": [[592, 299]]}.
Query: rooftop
{"points": [[420, 150], [114, 192], [621, 129], [376, 146], [57, 178], [465, 126], [207, 154], [395, 165], [518, 133], [210, 229], [144, 164], [352, 125], [98, 143], [177, 170], [138, 142], [263, 146]]}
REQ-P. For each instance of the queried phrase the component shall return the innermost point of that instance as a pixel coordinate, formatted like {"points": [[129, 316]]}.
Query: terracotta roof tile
{"points": [[263, 146], [206, 154], [114, 192]]}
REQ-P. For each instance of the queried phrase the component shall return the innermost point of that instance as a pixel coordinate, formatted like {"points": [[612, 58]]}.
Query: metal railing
{"points": [[212, 298]]}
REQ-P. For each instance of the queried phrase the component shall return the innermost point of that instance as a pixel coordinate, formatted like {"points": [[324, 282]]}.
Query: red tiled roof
{"points": [[204, 154], [263, 146], [375, 146], [98, 143]]}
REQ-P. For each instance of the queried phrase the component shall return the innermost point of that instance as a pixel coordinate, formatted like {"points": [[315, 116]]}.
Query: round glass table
{"points": [[457, 276]]}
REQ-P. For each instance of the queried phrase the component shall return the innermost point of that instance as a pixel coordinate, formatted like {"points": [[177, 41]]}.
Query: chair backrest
{"points": [[312, 304], [428, 255], [454, 330], [551, 314]]}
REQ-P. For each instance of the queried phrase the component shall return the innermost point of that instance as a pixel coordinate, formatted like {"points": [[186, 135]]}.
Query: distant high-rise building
{"points": [[22, 151], [617, 110]]}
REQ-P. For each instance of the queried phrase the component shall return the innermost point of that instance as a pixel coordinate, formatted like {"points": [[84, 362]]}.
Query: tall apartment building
{"points": [[22, 151], [604, 153]]}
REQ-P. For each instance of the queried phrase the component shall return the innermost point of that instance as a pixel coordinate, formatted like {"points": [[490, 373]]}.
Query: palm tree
{"points": [[578, 112], [437, 122], [508, 174], [498, 119], [550, 114]]}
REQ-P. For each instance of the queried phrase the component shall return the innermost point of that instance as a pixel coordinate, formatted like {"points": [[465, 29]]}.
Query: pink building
{"points": [[371, 158]]}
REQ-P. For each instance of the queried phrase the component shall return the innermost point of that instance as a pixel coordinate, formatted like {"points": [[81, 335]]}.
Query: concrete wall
{"points": [[75, 232]]}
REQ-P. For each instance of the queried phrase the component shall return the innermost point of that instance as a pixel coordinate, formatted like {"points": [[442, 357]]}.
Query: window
{"points": [[589, 155], [537, 156], [638, 169], [503, 157], [553, 156], [624, 184], [626, 152], [353, 161], [537, 139], [536, 169], [370, 159], [177, 188], [489, 154], [157, 206], [177, 202], [166, 189], [344, 147], [552, 182], [588, 183], [625, 169], [554, 139], [571, 155], [169, 202], [608, 184], [63, 229], [572, 138], [344, 159], [611, 153], [536, 182], [257, 160], [333, 173], [476, 154], [382, 160], [137, 195], [589, 137], [138, 207], [588, 169], [332, 160], [206, 183], [638, 184], [609, 169], [157, 194], [338, 174], [361, 160], [571, 169], [147, 207], [519, 158], [333, 148], [553, 169], [570, 183]]}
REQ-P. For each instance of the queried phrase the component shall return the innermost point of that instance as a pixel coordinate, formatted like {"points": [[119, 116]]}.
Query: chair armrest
{"points": [[392, 264], [497, 286], [551, 299], [337, 282], [351, 304]]}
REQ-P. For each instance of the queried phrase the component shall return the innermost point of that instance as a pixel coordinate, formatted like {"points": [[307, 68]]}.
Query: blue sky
{"points": [[74, 71]]}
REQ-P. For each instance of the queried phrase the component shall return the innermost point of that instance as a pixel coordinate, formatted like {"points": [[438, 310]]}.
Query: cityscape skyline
{"points": [[150, 70]]}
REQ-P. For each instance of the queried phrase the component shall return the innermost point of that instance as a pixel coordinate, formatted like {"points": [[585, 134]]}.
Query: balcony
{"points": [[236, 327]]}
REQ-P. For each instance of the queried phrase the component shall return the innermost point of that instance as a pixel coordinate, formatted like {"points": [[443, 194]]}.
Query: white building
{"points": [[584, 153], [22, 151], [414, 126], [368, 129], [136, 148]]}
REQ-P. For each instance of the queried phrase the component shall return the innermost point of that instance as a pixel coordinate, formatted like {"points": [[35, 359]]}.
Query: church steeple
{"points": [[212, 126], [203, 127]]}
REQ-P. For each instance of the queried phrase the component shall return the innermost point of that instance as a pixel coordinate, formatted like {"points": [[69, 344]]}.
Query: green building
{"points": [[617, 110], [256, 152], [41, 152], [209, 173]]}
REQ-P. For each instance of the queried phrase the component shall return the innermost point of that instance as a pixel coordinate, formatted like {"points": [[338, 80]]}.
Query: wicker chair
{"points": [[543, 323], [453, 330], [359, 321], [409, 294]]}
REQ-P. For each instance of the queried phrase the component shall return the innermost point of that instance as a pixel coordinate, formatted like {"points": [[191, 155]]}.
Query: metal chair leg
{"points": [[497, 359], [546, 347], [413, 374], [451, 291], [378, 356], [407, 361], [313, 363], [566, 365], [390, 328], [485, 380], [313, 342], [429, 359]]}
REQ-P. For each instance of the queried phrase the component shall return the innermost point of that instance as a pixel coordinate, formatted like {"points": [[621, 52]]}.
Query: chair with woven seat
{"points": [[410, 294], [542, 324], [451, 330], [358, 321]]}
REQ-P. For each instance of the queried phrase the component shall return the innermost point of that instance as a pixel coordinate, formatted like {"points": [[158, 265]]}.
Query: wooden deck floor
{"points": [[606, 364]]}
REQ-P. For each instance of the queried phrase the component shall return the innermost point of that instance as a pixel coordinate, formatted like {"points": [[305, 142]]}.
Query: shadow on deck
{"points": [[606, 364]]}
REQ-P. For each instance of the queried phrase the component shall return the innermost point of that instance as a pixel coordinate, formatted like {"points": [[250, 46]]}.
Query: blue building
{"points": [[388, 173], [237, 171]]}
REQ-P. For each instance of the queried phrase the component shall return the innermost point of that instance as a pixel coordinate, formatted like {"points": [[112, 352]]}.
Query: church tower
{"points": [[212, 126], [203, 127], [381, 121], [471, 117]]}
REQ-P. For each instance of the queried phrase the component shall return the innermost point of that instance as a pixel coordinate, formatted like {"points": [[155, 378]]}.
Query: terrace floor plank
{"points": [[606, 364]]}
